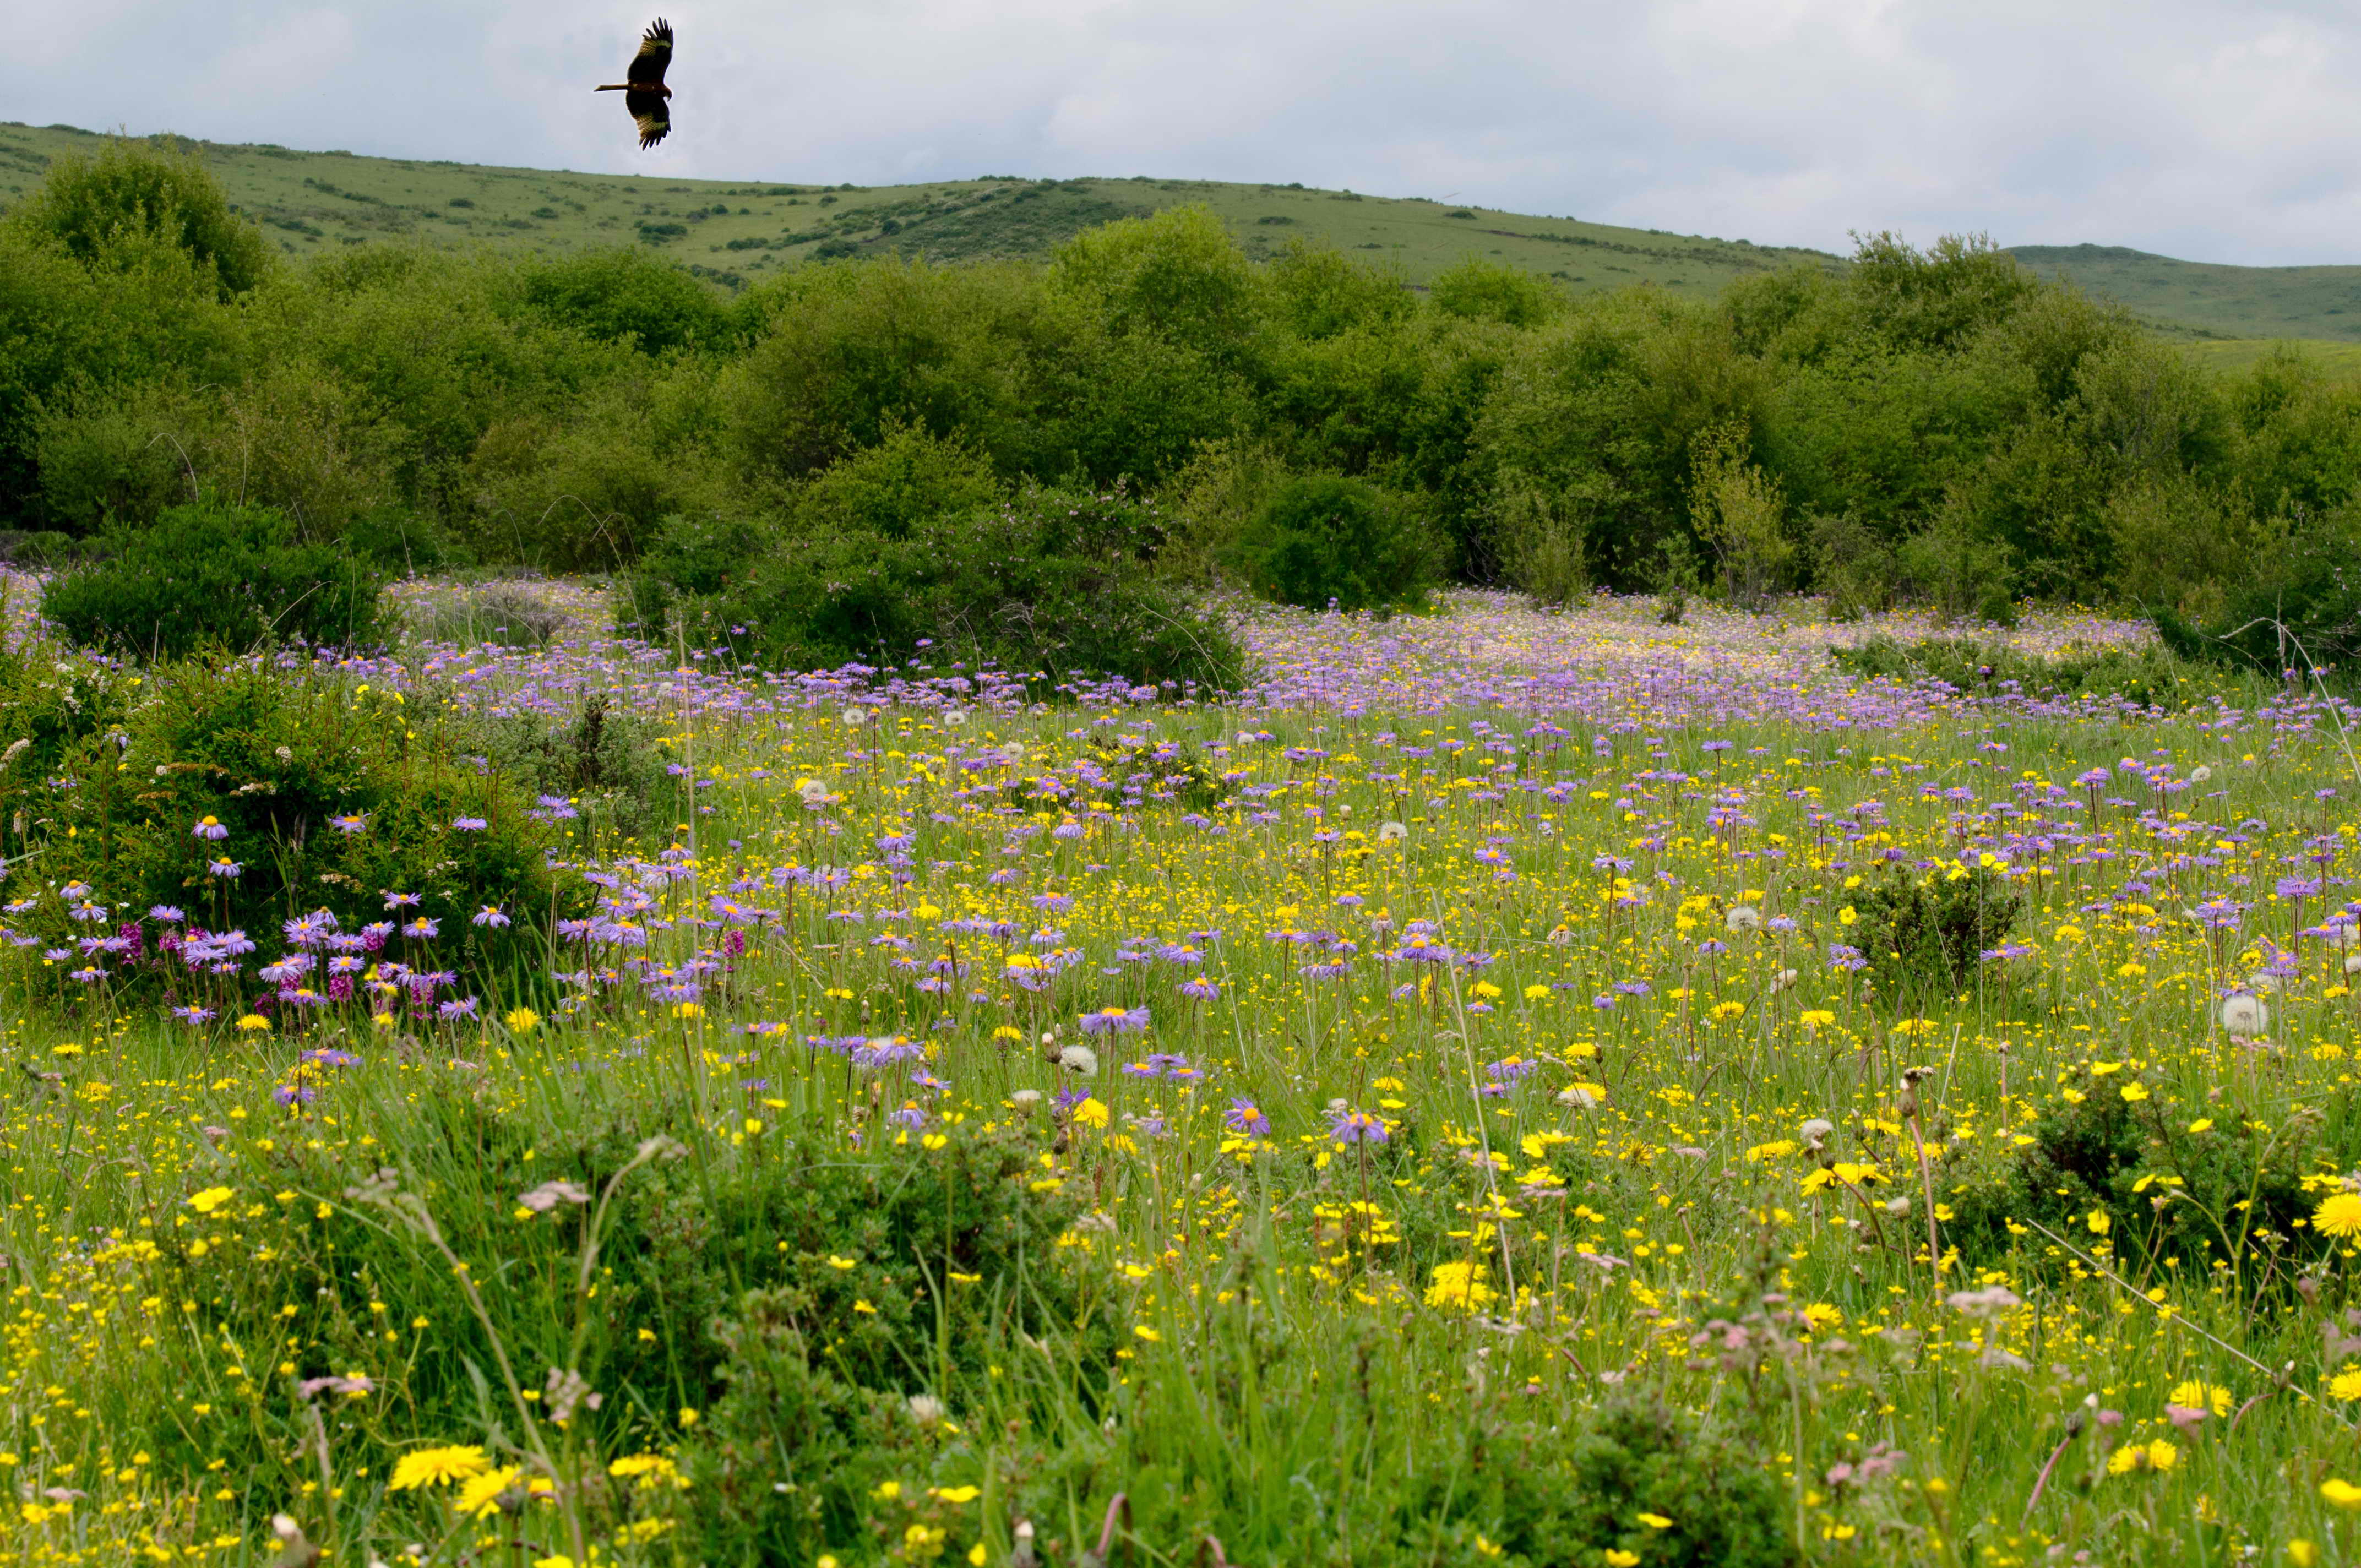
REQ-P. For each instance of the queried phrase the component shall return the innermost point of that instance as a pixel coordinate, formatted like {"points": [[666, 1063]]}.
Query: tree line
{"points": [[1938, 425]]}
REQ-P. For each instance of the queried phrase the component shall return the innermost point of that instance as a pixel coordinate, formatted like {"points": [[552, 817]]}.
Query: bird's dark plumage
{"points": [[646, 97]]}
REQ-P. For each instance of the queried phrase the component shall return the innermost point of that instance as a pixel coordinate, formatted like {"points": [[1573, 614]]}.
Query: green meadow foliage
{"points": [[1937, 426], [210, 575]]}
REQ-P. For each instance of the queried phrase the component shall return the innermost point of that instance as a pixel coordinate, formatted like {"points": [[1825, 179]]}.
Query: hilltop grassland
{"points": [[733, 232], [312, 204]]}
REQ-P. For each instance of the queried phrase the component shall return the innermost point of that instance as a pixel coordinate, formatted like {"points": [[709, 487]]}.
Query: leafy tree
{"points": [[205, 573], [102, 210], [1323, 539], [624, 293], [908, 478], [1940, 297], [1740, 512], [1319, 292], [1177, 274], [1485, 291]]}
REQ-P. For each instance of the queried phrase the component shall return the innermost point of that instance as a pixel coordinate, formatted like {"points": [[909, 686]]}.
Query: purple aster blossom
{"points": [[293, 1095], [1114, 1020], [423, 927], [355, 822], [167, 913], [910, 1115], [1357, 1127], [194, 1015], [1201, 989], [458, 1008], [1244, 1116], [225, 868], [209, 829], [310, 930], [886, 1051], [490, 915], [469, 824]]}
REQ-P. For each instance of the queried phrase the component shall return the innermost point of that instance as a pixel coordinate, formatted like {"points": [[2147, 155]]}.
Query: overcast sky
{"points": [[2198, 128]]}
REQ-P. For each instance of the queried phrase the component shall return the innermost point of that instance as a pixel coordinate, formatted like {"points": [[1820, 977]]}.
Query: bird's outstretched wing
{"points": [[651, 113], [655, 53]]}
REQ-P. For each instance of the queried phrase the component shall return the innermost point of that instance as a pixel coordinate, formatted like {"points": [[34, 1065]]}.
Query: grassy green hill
{"points": [[314, 203], [2209, 300], [735, 231]]}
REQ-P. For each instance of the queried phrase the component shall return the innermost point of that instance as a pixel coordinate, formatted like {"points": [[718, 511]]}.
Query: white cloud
{"points": [[2197, 128]]}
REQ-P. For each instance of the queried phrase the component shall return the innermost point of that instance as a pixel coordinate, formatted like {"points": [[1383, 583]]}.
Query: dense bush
{"points": [[105, 210], [1051, 584], [607, 767], [1938, 426], [1319, 540], [323, 797], [2238, 1200], [2300, 612], [626, 294], [2150, 676], [233, 576], [1925, 936]]}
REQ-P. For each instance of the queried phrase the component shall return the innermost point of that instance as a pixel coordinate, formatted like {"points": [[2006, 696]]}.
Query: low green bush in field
{"points": [[1053, 584], [2151, 675], [209, 574], [1319, 540], [322, 797]]}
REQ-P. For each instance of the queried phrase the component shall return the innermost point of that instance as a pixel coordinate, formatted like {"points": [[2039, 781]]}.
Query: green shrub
{"points": [[2303, 614], [1928, 934], [1486, 290], [233, 576], [1637, 1456], [607, 766], [2239, 1193], [1323, 539], [1960, 574], [1540, 544], [1852, 567], [276, 757], [907, 480], [626, 294], [1053, 585], [2150, 676], [95, 207]]}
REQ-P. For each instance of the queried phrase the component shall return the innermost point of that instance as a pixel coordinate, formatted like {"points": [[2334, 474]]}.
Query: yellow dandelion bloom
{"points": [[2341, 1492], [2203, 1397], [522, 1020], [481, 1495], [253, 1021], [2339, 1215], [2347, 1385], [211, 1199], [1460, 1285], [438, 1467]]}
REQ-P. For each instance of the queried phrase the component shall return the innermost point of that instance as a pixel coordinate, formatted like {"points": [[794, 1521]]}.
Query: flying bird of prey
{"points": [[645, 96]]}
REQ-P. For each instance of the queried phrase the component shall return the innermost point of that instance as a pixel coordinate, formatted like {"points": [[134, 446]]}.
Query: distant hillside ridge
{"points": [[735, 231], [2205, 299]]}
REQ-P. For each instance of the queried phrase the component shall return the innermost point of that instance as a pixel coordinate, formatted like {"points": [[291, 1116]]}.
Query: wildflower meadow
{"points": [[1506, 1087]]}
